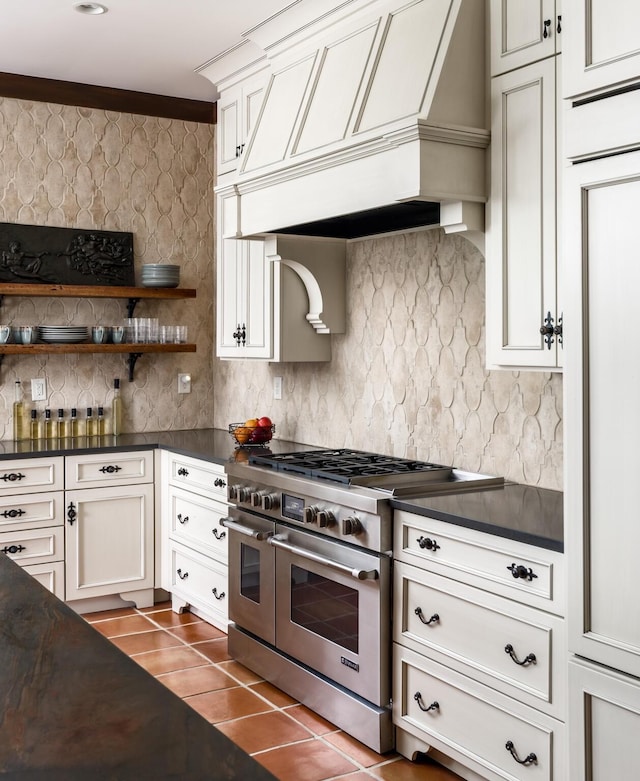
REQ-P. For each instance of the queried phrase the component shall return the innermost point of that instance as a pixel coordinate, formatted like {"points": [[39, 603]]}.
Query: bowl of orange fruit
{"points": [[254, 432]]}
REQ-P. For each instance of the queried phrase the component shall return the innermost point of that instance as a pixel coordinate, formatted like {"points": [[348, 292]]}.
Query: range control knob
{"points": [[233, 492], [309, 514], [270, 501], [243, 494], [351, 526], [326, 518], [256, 498]]}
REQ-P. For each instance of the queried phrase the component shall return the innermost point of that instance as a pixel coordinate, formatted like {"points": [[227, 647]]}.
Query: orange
{"points": [[242, 434]]}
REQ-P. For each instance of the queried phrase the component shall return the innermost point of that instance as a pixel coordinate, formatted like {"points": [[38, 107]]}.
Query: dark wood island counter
{"points": [[74, 707]]}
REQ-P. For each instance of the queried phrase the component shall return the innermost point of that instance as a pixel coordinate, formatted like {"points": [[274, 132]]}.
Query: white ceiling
{"points": [[144, 45]]}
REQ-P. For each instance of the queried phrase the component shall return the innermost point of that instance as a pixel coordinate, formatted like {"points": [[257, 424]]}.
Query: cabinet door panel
{"points": [[521, 251], [109, 547], [195, 521], [50, 575], [228, 131], [604, 417], [31, 474], [517, 33], [31, 511], [97, 470], [33, 546], [601, 44]]}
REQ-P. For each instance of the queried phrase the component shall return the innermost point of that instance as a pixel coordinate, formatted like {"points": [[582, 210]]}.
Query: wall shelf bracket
{"points": [[131, 306], [131, 362]]}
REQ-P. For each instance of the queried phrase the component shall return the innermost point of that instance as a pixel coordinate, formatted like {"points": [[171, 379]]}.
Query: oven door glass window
{"points": [[324, 607], [250, 573]]}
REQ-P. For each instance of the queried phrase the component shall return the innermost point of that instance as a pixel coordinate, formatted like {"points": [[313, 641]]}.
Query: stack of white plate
{"points": [[160, 275], [63, 334]]}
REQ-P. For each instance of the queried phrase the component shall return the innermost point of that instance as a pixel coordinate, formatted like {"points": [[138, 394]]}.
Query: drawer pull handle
{"points": [[219, 482], [12, 476], [559, 27], [530, 759], [426, 708], [181, 519], [218, 535], [434, 618], [428, 543], [13, 548], [71, 513], [13, 513], [181, 576], [520, 571], [109, 470], [183, 472], [221, 595], [547, 25], [528, 659]]}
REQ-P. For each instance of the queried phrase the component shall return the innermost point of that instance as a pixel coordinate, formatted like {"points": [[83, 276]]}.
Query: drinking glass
{"points": [[180, 336]]}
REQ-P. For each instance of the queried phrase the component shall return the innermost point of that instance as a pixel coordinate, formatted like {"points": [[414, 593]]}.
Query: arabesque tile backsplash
{"points": [[407, 377]]}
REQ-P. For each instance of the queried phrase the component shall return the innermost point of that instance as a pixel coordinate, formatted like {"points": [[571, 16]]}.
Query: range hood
{"points": [[373, 120]]}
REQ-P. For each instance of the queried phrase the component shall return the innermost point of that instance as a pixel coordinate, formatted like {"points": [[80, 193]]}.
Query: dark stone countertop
{"points": [[517, 512], [210, 444], [75, 708]]}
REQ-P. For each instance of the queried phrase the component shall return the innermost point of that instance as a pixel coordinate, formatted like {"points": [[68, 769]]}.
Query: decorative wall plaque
{"points": [[65, 256]]}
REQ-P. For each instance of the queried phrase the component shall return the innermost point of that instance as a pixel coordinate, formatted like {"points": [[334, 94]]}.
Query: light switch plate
{"points": [[277, 387], [184, 383], [39, 389]]}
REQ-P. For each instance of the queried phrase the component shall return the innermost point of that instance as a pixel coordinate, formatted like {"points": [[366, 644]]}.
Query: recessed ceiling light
{"points": [[91, 8]]}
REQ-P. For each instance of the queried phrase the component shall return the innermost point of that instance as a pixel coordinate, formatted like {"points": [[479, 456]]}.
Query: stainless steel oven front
{"points": [[322, 603]]}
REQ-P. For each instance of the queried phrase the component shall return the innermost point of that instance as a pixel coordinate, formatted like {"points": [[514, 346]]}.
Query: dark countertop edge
{"points": [[481, 526]]}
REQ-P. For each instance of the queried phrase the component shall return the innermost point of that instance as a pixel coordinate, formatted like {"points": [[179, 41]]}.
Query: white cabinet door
{"points": [[604, 722], [523, 31], [602, 45], [238, 110], [109, 540], [521, 238], [602, 420]]}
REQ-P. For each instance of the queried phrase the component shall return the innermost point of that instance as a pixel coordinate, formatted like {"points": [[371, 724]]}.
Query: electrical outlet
{"points": [[184, 383], [277, 387], [38, 390]]}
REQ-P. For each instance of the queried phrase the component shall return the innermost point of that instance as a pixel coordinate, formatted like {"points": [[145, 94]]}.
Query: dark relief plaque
{"points": [[65, 256]]}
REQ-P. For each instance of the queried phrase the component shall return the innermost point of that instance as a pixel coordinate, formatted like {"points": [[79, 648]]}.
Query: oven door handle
{"points": [[246, 530], [278, 541]]}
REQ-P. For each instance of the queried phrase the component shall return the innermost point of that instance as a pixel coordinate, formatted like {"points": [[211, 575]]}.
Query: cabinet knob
{"points": [[530, 759], [183, 472], [13, 548], [428, 543], [12, 476], [240, 335], [71, 513], [239, 150], [111, 469], [219, 482], [13, 513], [520, 571], [546, 32], [559, 26]]}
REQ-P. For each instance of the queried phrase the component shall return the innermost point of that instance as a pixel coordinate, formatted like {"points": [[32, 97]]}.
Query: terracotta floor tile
{"points": [[264, 731], [102, 614], [215, 650], [145, 641], [196, 680], [357, 751], [309, 761], [361, 775], [311, 720], [195, 633], [227, 704], [127, 625], [240, 672], [424, 770], [168, 659], [167, 618], [273, 694]]}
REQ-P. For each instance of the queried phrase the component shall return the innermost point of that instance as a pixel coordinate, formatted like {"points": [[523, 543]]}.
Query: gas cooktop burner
{"points": [[353, 467]]}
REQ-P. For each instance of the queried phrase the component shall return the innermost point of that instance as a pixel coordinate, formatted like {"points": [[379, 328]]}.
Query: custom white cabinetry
{"points": [[602, 45], [32, 518], [110, 526], [523, 32], [195, 565], [238, 109], [479, 649], [522, 262]]}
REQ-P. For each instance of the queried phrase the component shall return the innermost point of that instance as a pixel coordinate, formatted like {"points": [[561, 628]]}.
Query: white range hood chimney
{"points": [[373, 120]]}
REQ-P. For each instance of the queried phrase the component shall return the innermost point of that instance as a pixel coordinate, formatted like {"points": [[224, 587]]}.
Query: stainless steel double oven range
{"points": [[310, 551]]}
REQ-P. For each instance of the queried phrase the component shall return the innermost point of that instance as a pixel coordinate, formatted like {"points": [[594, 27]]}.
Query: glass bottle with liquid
{"points": [[35, 427], [63, 425], [74, 424], [116, 409], [100, 423], [50, 425], [19, 422], [91, 427]]}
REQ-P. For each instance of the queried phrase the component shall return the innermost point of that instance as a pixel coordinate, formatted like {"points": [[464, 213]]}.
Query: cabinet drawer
{"points": [[31, 511], [34, 546], [482, 635], [474, 724], [200, 581], [512, 569], [31, 474], [50, 575], [195, 475], [97, 470], [195, 521]]}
